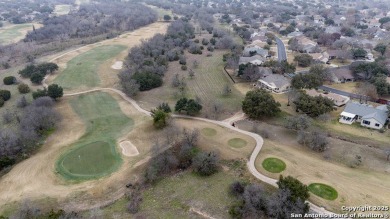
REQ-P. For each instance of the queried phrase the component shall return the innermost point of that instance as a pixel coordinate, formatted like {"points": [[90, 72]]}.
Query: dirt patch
{"points": [[128, 149], [117, 65]]}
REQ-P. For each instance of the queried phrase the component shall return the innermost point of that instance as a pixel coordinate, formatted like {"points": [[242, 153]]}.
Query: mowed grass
{"points": [[14, 33], [82, 162], [209, 132], [237, 143], [82, 70], [323, 191], [274, 165], [95, 155]]}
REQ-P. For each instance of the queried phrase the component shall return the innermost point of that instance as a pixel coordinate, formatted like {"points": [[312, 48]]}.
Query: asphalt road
{"points": [[347, 94], [282, 56]]}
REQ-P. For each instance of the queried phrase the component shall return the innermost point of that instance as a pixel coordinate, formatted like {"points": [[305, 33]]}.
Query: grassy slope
{"points": [[208, 84], [173, 197], [105, 122], [82, 69]]}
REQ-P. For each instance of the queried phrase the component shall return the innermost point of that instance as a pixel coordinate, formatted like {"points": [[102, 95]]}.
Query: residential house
{"points": [[339, 54], [254, 60], [253, 50], [306, 45], [320, 57], [275, 83], [342, 75], [338, 100], [366, 115]]}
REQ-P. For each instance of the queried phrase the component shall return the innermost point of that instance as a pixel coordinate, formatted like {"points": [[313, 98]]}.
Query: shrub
{"points": [[23, 88], [5, 94], [147, 81], [206, 163], [37, 78], [54, 91], [196, 41], [39, 93], [1, 102], [183, 67], [182, 60], [9, 80], [259, 103], [22, 102]]}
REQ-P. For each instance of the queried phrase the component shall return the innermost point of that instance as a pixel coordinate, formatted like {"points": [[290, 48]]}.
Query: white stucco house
{"points": [[367, 115]]}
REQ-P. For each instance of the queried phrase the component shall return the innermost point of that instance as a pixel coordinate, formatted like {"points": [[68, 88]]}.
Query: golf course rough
{"points": [[274, 165], [95, 154], [324, 191]]}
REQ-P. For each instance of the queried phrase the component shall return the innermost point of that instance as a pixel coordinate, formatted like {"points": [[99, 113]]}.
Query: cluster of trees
{"points": [[54, 91], [91, 23], [15, 11], [375, 73], [313, 79], [190, 106], [303, 60], [179, 152], [37, 73], [147, 63], [307, 135], [104, 18], [161, 115], [31, 126], [313, 106], [253, 201], [280, 67], [5, 95], [259, 104]]}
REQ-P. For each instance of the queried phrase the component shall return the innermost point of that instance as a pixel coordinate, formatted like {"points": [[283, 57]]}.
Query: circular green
{"points": [[237, 143], [209, 132], [323, 191], [89, 161], [274, 165]]}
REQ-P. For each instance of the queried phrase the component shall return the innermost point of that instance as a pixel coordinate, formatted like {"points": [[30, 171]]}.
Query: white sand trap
{"points": [[128, 149], [117, 65]]}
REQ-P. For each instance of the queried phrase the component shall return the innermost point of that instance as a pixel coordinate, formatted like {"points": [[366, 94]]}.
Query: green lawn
{"points": [[9, 35], [274, 165], [82, 69], [94, 155], [237, 143], [209, 132], [323, 191]]}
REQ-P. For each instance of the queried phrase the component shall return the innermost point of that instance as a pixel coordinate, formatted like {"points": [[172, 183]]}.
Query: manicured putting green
{"points": [[82, 69], [91, 159], [237, 143], [323, 191], [95, 154], [274, 165], [209, 132]]}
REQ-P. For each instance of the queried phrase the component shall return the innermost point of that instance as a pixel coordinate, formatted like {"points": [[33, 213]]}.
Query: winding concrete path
{"points": [[225, 123]]}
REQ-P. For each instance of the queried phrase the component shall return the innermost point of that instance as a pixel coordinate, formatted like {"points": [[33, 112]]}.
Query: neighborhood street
{"points": [[282, 56], [344, 93]]}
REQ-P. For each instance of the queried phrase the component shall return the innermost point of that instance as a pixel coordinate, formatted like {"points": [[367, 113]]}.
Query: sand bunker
{"points": [[128, 149], [117, 65]]}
